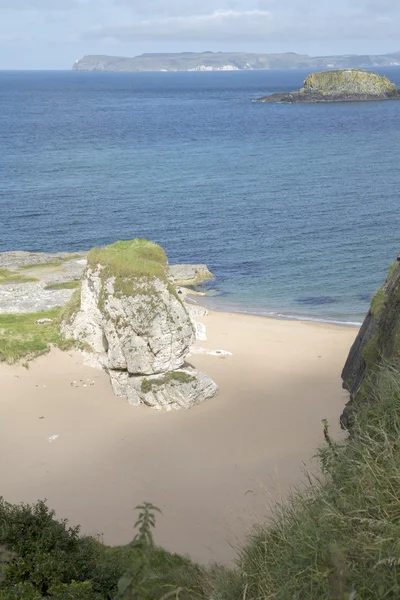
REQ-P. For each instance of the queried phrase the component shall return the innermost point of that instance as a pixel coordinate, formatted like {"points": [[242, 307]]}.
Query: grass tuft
{"points": [[7, 276], [69, 310], [132, 258], [172, 377], [378, 303], [67, 285], [135, 264]]}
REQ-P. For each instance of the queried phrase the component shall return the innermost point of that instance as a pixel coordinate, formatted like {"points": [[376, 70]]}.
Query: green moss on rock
{"points": [[7, 276], [134, 265], [132, 258], [171, 378], [377, 303], [349, 81], [71, 309], [344, 85]]}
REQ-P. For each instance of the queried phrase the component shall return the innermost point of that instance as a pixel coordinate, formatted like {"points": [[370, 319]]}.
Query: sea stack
{"points": [[344, 85], [130, 319]]}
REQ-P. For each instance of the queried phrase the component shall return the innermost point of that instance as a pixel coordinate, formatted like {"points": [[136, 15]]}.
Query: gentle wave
{"points": [[201, 300]]}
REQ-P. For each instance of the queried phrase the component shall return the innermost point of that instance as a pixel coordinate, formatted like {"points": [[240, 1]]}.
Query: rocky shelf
{"points": [[345, 85], [36, 281]]}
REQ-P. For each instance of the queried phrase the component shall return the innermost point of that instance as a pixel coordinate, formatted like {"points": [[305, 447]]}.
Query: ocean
{"points": [[295, 208]]}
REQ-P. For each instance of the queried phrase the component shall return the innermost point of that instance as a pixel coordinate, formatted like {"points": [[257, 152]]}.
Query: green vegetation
{"points": [[379, 345], [169, 378], [21, 336], [45, 265], [134, 264], [7, 276], [69, 310], [43, 557], [339, 538], [349, 81], [67, 285], [51, 264], [377, 303], [133, 258], [393, 267]]}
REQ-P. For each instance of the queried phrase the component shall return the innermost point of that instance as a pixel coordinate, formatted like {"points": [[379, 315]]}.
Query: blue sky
{"points": [[52, 34]]}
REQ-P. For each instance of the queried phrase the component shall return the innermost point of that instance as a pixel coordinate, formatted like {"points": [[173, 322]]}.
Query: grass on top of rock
{"points": [[131, 258], [173, 377], [134, 264], [7, 276], [21, 337]]}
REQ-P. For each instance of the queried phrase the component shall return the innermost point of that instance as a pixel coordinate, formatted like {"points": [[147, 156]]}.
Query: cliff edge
{"points": [[345, 85], [377, 343]]}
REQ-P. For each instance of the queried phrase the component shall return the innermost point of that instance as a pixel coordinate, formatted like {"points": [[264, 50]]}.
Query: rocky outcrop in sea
{"points": [[344, 85], [377, 344]]}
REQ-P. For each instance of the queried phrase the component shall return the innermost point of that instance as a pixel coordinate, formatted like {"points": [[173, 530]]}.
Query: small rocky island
{"points": [[345, 85]]}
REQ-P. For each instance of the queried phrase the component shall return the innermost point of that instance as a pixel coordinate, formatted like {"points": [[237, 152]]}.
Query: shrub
{"points": [[46, 552]]}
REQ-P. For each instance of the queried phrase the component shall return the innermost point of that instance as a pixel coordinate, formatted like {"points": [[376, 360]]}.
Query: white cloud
{"points": [[220, 24], [77, 27], [304, 22]]}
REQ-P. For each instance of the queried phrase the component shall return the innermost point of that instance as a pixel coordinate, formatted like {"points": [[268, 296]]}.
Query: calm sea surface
{"points": [[295, 208]]}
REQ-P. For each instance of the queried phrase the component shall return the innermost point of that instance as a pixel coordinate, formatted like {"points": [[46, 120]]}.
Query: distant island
{"points": [[345, 85], [230, 61]]}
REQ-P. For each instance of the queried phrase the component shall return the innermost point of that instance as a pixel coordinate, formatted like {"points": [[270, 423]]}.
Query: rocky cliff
{"points": [[131, 320], [345, 85], [377, 343], [217, 61]]}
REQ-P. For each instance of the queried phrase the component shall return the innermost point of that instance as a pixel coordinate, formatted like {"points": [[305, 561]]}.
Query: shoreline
{"points": [[198, 300], [213, 470]]}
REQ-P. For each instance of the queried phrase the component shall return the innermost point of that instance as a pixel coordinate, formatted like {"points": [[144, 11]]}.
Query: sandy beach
{"points": [[212, 470]]}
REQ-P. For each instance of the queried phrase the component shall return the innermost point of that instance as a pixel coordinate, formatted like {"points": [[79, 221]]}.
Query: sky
{"points": [[53, 34]]}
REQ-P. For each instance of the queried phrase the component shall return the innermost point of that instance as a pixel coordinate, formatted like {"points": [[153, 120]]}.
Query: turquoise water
{"points": [[295, 208]]}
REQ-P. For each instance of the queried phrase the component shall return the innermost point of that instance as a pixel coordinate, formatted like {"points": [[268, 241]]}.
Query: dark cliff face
{"points": [[377, 343]]}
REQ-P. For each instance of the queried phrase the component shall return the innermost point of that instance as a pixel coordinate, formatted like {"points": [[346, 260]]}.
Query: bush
{"points": [[46, 551], [42, 557]]}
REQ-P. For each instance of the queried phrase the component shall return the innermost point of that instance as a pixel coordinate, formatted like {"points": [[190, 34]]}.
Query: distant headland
{"points": [[345, 85], [230, 61]]}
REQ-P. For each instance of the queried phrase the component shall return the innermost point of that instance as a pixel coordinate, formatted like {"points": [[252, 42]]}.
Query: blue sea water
{"points": [[295, 208]]}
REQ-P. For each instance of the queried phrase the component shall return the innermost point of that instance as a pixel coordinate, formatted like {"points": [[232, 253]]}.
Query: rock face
{"points": [[377, 342], [136, 327], [190, 274], [345, 85]]}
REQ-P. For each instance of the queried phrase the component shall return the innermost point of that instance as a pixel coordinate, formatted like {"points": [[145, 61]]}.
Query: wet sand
{"points": [[213, 470]]}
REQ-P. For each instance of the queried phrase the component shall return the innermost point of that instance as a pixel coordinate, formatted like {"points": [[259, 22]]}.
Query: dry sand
{"points": [[212, 470]]}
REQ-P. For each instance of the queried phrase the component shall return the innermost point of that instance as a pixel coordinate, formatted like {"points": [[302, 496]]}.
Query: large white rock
{"points": [[145, 332], [169, 391]]}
